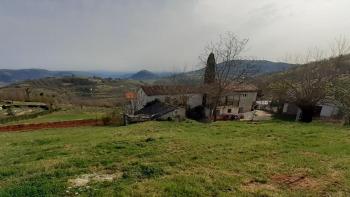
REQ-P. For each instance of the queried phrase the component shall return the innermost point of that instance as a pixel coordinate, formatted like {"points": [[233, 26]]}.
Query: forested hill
{"points": [[259, 67], [9, 76]]}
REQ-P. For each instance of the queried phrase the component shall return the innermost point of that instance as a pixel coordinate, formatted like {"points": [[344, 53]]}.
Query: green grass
{"points": [[66, 115], [180, 159]]}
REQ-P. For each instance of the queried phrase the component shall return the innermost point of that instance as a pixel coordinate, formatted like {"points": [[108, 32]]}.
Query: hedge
{"points": [[24, 117]]}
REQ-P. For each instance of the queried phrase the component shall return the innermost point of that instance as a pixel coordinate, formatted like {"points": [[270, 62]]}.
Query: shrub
{"points": [[23, 117], [197, 113], [113, 118]]}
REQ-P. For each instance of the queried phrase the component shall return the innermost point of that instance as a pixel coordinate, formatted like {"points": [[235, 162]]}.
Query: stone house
{"points": [[236, 98]]}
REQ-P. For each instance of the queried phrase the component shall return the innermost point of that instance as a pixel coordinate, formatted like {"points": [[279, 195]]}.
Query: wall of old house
{"points": [[191, 100], [329, 111], [237, 102], [226, 109], [178, 114], [246, 101]]}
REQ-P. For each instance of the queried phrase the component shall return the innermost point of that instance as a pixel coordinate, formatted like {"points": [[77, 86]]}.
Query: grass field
{"points": [[66, 115], [178, 159]]}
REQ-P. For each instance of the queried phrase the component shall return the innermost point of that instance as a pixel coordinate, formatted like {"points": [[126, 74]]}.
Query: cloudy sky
{"points": [[160, 35]]}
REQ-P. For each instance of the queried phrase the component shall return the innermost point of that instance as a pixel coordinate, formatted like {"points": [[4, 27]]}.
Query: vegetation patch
{"points": [[140, 171]]}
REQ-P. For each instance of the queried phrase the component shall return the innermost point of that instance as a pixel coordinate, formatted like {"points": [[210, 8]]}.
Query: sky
{"points": [[159, 35]]}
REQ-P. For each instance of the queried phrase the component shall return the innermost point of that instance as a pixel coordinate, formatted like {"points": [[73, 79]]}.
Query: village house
{"points": [[235, 100]]}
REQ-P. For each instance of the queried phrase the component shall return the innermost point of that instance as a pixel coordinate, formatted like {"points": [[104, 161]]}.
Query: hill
{"points": [[144, 75], [178, 159], [258, 67], [10, 76], [341, 67], [77, 90]]}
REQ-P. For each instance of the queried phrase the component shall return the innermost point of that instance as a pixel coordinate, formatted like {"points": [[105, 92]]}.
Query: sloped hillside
{"points": [[178, 159], [90, 91], [9, 76], [257, 68], [341, 67]]}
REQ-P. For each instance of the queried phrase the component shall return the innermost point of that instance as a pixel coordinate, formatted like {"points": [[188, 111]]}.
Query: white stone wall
{"points": [[328, 111], [178, 114], [195, 100], [225, 109], [247, 100]]}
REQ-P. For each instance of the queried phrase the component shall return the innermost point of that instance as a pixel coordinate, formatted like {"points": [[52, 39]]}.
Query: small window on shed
{"points": [[229, 111]]}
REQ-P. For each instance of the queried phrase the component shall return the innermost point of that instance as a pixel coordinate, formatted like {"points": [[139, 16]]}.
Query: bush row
{"points": [[23, 117]]}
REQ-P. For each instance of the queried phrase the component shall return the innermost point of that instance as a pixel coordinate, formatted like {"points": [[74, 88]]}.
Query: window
{"points": [[229, 111]]}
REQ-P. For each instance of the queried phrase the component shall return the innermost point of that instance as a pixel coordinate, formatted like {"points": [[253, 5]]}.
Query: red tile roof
{"points": [[170, 90], [242, 88], [175, 90]]}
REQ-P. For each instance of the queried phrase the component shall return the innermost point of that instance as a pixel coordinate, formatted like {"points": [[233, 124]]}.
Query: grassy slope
{"points": [[67, 115], [179, 159]]}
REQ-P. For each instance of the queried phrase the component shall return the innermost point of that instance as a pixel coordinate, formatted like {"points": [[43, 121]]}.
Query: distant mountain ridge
{"points": [[11, 76], [144, 75], [8, 76]]}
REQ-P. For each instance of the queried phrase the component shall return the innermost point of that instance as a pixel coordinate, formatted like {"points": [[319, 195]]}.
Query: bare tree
{"points": [[308, 84], [278, 90], [227, 51], [28, 91], [340, 47]]}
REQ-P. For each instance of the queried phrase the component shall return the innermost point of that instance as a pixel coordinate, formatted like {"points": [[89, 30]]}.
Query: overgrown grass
{"points": [[180, 159]]}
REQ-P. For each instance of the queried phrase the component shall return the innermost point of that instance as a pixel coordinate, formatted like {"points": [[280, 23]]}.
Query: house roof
{"points": [[175, 90], [170, 90], [155, 109], [242, 88]]}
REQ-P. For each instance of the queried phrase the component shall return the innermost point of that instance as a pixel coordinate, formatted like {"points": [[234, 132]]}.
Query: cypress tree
{"points": [[209, 75]]}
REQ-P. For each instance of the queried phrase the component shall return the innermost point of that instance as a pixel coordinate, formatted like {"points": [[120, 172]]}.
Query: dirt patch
{"points": [[256, 186], [49, 125], [298, 180], [85, 179]]}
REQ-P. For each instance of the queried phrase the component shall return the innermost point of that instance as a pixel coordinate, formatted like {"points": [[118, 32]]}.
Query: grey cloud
{"points": [[157, 34]]}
